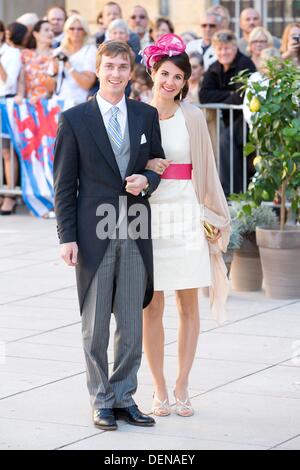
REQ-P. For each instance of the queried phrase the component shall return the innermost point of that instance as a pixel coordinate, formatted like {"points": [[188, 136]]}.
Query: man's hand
{"points": [[136, 184], [69, 253]]}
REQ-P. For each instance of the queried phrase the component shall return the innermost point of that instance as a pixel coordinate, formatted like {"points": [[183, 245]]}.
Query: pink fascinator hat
{"points": [[168, 45]]}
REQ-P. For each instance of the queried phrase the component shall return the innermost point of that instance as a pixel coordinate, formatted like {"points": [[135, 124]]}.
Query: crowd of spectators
{"points": [[56, 56]]}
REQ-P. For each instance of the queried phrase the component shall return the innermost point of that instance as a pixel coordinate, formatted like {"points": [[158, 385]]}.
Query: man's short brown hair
{"points": [[114, 48]]}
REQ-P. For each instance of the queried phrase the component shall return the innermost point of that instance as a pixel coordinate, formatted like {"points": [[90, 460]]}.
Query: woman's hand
{"points": [[19, 99], [216, 236], [211, 232], [158, 165], [34, 99], [292, 50]]}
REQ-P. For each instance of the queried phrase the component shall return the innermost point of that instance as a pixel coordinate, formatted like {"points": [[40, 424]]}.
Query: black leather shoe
{"points": [[134, 416], [104, 418]]}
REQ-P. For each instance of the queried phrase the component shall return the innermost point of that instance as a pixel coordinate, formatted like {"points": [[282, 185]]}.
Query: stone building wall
{"points": [[184, 13]]}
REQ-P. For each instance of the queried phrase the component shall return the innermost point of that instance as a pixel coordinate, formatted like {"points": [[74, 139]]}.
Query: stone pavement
{"points": [[245, 383]]}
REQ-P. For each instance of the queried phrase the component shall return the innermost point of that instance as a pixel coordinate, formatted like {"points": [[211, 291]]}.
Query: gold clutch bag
{"points": [[209, 230]]}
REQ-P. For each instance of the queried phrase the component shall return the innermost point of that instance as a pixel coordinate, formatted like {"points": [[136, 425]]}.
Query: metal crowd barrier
{"points": [[11, 190], [213, 114]]}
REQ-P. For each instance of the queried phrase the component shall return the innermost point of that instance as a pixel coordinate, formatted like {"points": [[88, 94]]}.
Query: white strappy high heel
{"points": [[160, 408], [183, 408]]}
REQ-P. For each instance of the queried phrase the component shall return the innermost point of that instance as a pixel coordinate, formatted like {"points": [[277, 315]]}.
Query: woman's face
{"points": [[160, 31], [45, 35], [119, 34], [76, 33], [294, 34], [197, 70], [258, 44], [168, 81]]}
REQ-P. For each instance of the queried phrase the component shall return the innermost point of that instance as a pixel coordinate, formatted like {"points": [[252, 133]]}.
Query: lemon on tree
{"points": [[254, 104]]}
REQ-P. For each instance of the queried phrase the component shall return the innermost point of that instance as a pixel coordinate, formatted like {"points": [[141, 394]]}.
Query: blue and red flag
{"points": [[32, 129]]}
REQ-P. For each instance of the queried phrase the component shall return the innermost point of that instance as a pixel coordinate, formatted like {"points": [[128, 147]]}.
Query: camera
{"points": [[62, 57], [297, 39]]}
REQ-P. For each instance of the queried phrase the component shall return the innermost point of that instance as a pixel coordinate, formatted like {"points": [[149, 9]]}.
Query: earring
{"points": [[180, 96]]}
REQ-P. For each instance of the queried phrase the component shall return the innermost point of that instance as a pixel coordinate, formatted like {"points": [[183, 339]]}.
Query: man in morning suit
{"points": [[101, 152]]}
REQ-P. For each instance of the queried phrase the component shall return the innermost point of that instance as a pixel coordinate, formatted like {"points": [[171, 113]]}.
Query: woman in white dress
{"points": [[182, 260]]}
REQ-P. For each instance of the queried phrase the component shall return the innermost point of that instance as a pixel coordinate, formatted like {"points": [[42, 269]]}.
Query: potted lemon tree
{"points": [[275, 136]]}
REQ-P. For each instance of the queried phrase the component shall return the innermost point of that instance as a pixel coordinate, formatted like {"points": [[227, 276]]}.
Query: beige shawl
{"points": [[211, 196]]}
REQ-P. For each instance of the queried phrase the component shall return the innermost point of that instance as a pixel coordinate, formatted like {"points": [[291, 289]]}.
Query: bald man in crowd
{"points": [[57, 17], [249, 19]]}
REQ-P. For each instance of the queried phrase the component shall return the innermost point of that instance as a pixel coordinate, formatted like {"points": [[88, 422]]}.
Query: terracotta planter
{"points": [[280, 257], [246, 271]]}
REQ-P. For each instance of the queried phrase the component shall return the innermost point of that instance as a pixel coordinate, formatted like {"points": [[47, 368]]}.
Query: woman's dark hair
{"points": [[162, 20], [16, 33], [183, 63], [31, 44], [2, 30]]}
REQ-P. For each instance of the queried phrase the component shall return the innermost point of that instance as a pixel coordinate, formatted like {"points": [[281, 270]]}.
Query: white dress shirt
{"points": [[209, 56], [105, 109], [11, 61]]}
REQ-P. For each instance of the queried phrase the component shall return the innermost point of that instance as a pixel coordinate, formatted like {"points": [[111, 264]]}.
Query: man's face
{"points": [[110, 13], [114, 74], [139, 21], [225, 53], [56, 18], [209, 26], [249, 20]]}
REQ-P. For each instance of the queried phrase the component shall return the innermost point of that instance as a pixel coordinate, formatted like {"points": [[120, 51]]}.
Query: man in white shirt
{"points": [[101, 152]]}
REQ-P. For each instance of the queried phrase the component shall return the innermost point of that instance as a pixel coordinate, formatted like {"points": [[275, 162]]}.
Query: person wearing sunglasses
{"points": [[209, 25], [76, 63], [139, 24]]}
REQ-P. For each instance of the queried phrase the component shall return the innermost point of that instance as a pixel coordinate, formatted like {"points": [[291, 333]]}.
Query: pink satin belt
{"points": [[178, 171]]}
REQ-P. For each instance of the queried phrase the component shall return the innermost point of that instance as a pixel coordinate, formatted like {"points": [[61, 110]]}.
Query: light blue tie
{"points": [[114, 128]]}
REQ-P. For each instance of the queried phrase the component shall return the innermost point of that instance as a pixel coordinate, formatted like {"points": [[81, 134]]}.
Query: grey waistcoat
{"points": [[123, 154]]}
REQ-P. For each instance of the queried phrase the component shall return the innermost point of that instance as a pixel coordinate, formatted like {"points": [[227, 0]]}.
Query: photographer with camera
{"points": [[290, 47], [76, 60]]}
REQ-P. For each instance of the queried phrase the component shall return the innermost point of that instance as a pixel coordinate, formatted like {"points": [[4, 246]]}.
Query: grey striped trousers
{"points": [[121, 278]]}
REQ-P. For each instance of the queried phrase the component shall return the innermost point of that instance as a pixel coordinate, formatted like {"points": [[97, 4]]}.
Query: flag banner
{"points": [[32, 129]]}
